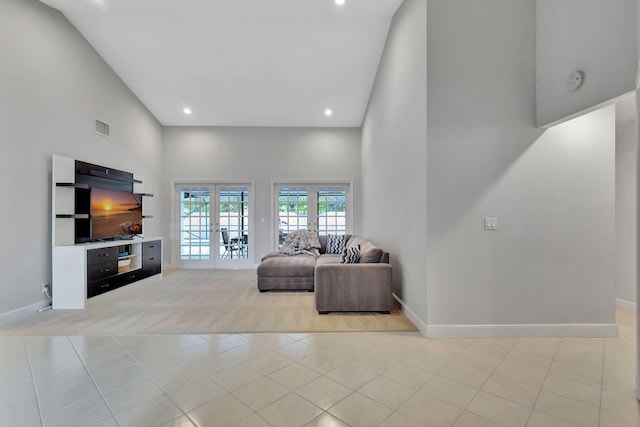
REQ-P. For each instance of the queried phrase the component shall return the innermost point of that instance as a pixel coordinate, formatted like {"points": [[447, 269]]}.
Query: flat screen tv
{"points": [[115, 214]]}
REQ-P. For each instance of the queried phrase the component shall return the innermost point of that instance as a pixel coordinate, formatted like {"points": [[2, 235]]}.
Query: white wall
{"points": [[626, 211], [394, 153], [551, 260], [52, 87], [595, 36], [261, 156]]}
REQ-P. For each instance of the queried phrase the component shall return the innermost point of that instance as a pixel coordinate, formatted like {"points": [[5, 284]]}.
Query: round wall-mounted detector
{"points": [[575, 80]]}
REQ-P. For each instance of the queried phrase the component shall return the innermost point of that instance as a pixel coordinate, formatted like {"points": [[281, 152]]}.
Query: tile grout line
{"points": [[246, 363], [430, 379], [65, 386], [321, 375], [572, 381], [315, 379], [324, 375], [210, 377], [469, 403], [118, 388], [86, 368], [604, 346], [479, 389], [579, 383], [393, 410], [165, 393], [553, 358], [434, 374], [33, 381]]}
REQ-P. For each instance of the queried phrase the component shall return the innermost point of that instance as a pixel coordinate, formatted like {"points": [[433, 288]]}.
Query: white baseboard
{"points": [[411, 315], [19, 313], [626, 305], [579, 330]]}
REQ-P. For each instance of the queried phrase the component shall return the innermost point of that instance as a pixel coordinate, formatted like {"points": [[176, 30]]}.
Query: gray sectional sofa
{"points": [[362, 286]]}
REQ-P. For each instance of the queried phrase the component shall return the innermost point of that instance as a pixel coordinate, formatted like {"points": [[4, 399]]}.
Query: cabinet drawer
{"points": [[149, 259], [151, 270], [129, 277], [151, 247], [100, 271], [102, 255], [98, 287], [151, 266]]}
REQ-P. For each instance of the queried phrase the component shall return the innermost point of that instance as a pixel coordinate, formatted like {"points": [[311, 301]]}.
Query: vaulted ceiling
{"points": [[241, 62]]}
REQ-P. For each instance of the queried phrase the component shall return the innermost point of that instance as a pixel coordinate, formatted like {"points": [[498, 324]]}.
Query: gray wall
{"points": [[261, 156], [551, 259], [52, 87], [595, 36], [625, 211], [394, 153]]}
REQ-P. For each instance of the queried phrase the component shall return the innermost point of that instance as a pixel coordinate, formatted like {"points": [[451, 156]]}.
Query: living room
{"points": [[471, 149]]}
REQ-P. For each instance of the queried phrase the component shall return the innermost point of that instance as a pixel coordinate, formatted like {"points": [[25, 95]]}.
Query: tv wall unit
{"points": [[82, 267]]}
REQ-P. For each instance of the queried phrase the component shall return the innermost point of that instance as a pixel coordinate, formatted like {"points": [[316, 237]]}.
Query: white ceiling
{"points": [[241, 62]]}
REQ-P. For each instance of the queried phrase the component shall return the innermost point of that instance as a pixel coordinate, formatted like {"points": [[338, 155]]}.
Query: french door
{"points": [[322, 208], [214, 225]]}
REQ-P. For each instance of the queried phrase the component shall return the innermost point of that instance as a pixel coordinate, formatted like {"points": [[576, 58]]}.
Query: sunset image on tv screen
{"points": [[115, 213]]}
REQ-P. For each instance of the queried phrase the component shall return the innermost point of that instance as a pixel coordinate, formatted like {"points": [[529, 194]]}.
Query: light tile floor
{"points": [[318, 379]]}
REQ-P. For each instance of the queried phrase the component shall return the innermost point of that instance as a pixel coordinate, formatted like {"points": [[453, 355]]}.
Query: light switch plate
{"points": [[491, 223]]}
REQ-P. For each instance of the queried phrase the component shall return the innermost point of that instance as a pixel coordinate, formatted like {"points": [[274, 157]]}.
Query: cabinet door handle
{"points": [[102, 255], [104, 286], [104, 271], [151, 259]]}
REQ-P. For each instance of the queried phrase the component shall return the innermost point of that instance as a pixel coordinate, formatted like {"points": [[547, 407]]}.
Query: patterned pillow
{"points": [[350, 255], [335, 244], [355, 240]]}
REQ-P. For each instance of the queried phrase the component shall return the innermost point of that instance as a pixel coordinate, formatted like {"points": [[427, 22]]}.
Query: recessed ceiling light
{"points": [[101, 4], [328, 112], [340, 2], [187, 111]]}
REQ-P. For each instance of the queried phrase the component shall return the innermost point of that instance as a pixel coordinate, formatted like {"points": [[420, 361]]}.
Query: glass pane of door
{"points": [[332, 210], [292, 211], [322, 208], [233, 222], [195, 211]]}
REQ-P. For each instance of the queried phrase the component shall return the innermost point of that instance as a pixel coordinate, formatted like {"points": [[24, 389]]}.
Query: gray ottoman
{"points": [[287, 273]]}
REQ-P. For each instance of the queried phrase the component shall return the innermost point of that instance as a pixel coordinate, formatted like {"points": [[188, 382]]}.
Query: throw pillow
{"points": [[355, 241], [369, 253], [351, 255], [335, 244]]}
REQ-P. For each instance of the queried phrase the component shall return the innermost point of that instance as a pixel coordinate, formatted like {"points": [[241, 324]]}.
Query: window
{"points": [[323, 208]]}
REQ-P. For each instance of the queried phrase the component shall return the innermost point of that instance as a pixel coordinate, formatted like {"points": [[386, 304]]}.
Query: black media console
{"points": [[110, 268]]}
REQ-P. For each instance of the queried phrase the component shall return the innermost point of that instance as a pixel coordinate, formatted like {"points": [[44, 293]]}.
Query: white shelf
{"points": [[69, 260]]}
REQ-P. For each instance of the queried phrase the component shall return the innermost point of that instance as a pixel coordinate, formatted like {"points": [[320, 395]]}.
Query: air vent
{"points": [[102, 128]]}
